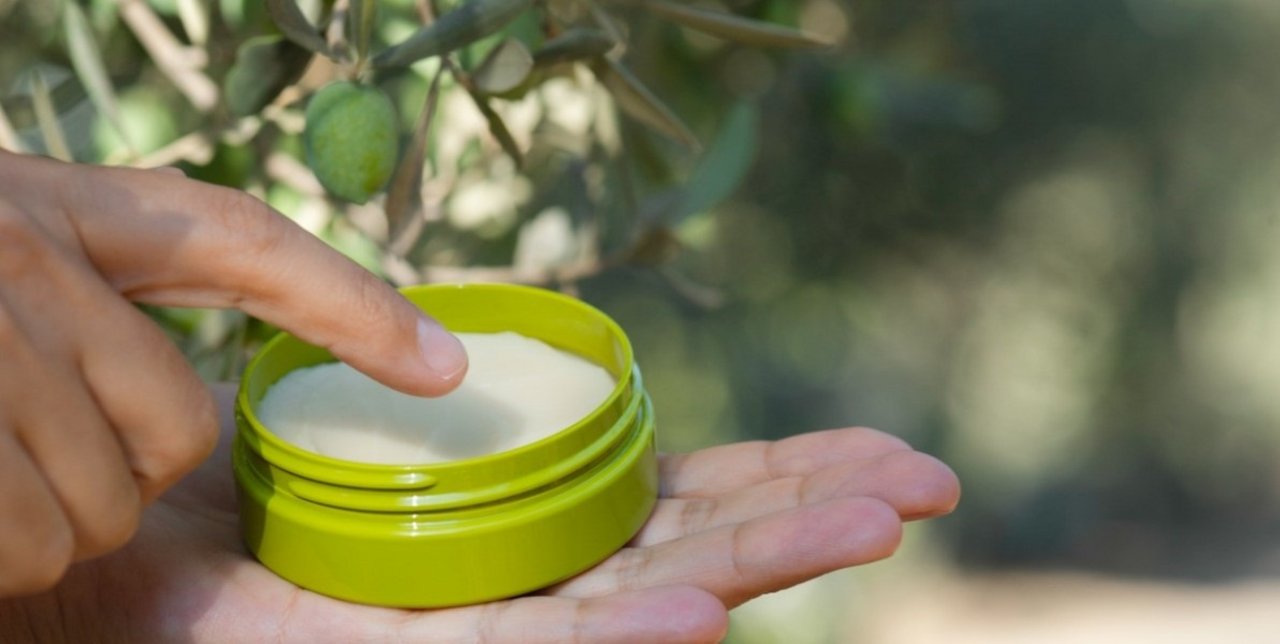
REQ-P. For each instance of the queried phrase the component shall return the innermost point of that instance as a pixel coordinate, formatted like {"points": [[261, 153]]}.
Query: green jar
{"points": [[459, 532]]}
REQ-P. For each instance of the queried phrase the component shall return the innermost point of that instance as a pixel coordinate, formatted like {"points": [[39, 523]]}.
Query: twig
{"points": [[291, 172], [181, 64]]}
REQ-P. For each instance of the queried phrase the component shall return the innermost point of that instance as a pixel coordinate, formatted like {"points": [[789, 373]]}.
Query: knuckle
{"points": [[251, 226]]}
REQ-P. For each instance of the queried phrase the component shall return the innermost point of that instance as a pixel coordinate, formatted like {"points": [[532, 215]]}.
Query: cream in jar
{"points": [[517, 390]]}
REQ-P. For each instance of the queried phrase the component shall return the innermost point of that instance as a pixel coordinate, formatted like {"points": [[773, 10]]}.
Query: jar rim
{"points": [[419, 476]]}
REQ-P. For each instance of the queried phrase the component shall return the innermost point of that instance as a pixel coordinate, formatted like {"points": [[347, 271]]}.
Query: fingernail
{"points": [[442, 352]]}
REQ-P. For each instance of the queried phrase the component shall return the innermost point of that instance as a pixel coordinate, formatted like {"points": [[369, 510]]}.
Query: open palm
{"points": [[732, 523]]}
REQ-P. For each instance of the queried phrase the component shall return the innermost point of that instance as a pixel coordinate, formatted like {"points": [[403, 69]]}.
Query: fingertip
{"points": [[938, 489], [443, 354], [875, 529]]}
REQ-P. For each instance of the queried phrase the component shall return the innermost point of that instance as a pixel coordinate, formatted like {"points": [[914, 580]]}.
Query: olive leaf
{"points": [[470, 22], [362, 16], [55, 142], [579, 43], [639, 103], [264, 66], [9, 139], [86, 58], [734, 28], [725, 164], [504, 69], [405, 191], [295, 26]]}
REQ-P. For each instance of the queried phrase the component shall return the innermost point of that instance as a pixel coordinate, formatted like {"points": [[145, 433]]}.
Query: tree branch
{"points": [[181, 64]]}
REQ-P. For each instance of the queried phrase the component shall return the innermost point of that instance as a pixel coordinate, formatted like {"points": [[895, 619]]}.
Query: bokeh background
{"points": [[1037, 238]]}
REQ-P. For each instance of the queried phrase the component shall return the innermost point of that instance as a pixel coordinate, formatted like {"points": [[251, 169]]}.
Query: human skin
{"points": [[732, 522], [100, 415], [99, 412]]}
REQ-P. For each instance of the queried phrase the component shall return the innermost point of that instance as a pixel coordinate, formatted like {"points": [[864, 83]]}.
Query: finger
{"points": [[52, 412], [676, 614], [211, 485], [915, 485], [160, 411], [649, 615], [224, 248], [35, 539], [717, 470], [740, 561], [77, 452]]}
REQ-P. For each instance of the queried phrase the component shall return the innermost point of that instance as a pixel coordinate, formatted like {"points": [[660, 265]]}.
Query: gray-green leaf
{"points": [[579, 43], [639, 103], [86, 57], [405, 190], [264, 66], [55, 142], [295, 26], [470, 22], [734, 28], [8, 136], [362, 17], [504, 69], [725, 164]]}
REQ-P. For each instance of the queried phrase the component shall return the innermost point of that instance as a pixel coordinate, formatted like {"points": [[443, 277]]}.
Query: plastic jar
{"points": [[463, 531]]}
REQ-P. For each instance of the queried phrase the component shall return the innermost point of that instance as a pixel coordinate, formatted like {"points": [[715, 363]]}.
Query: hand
{"points": [[733, 522], [99, 413]]}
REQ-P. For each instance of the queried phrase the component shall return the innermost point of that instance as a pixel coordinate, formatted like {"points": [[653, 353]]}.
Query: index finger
{"points": [[165, 239]]}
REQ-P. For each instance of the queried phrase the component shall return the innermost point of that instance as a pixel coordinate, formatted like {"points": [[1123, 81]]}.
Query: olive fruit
{"points": [[351, 139]]}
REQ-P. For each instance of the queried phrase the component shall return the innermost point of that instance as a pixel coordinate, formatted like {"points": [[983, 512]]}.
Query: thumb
{"points": [[164, 239]]}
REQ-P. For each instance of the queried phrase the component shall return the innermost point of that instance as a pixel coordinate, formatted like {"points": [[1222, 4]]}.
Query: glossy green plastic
{"points": [[464, 531]]}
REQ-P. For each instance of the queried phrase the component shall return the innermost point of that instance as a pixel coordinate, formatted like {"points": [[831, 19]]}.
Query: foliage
{"points": [[504, 114]]}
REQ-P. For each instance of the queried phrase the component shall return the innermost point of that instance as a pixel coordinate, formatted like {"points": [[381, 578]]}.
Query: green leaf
{"points": [[362, 17], [295, 26], [86, 58], [639, 103], [8, 136], [579, 43], [264, 66], [55, 142], [734, 28], [504, 69], [725, 164], [405, 191], [470, 22]]}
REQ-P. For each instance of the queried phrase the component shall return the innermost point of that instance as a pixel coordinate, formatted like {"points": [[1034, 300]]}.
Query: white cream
{"points": [[517, 390]]}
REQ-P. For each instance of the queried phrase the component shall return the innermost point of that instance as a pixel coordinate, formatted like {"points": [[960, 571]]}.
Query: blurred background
{"points": [[1036, 238]]}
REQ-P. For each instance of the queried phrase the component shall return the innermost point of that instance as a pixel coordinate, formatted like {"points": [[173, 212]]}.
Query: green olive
{"points": [[351, 139]]}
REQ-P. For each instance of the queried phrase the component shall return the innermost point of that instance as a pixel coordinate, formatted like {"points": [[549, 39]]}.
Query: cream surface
{"points": [[517, 390]]}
